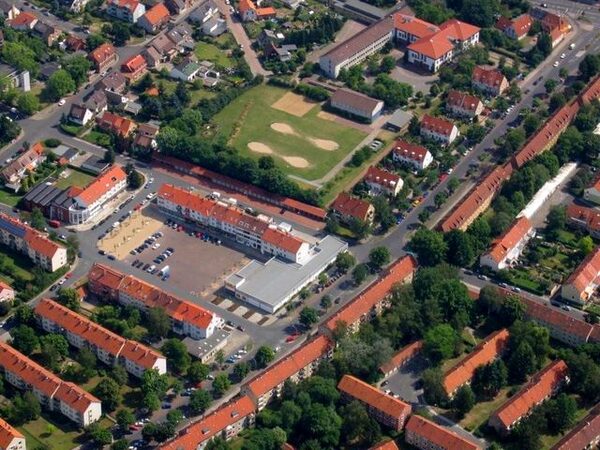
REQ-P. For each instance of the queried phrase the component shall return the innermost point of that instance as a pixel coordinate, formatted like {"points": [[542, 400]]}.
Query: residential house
{"points": [[516, 28], [155, 18], [134, 68], [7, 293], [24, 21], [295, 367], [400, 358], [585, 279], [438, 129], [48, 69], [356, 104], [585, 218], [109, 347], [126, 10], [145, 136], [490, 81], [384, 408], [11, 438], [267, 37], [13, 173], [250, 13], [8, 10], [427, 435], [463, 104], [53, 393], [113, 123], [410, 154], [182, 36], [40, 249], [592, 194], [186, 70], [585, 435], [46, 32], [205, 11], [214, 27], [96, 102], [508, 247], [348, 208], [152, 57], [103, 57], [488, 350], [114, 82], [16, 79], [226, 422], [540, 387], [75, 44], [80, 115], [381, 181], [387, 445], [283, 52], [75, 6], [165, 47]]}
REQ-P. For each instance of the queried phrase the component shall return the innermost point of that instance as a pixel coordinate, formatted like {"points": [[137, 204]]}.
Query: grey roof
{"points": [[49, 68], [43, 194], [187, 67], [370, 11], [70, 154], [96, 100], [400, 118], [202, 10], [276, 279], [94, 164], [180, 33], [354, 100], [114, 81], [60, 150]]}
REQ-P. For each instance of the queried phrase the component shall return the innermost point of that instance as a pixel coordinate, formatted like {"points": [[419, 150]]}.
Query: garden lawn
{"points": [[98, 138], [212, 53], [75, 178], [22, 264], [9, 198], [64, 435], [195, 94], [249, 117], [481, 412]]}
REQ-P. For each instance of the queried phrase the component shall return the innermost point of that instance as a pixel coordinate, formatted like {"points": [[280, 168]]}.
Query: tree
{"points": [[429, 246], [489, 379], [59, 84], [78, 67], [121, 33], [586, 245], [344, 261], [264, 355], [120, 444], [24, 315], [94, 41], [557, 101], [433, 386], [221, 384], [177, 355], [464, 400], [461, 251], [158, 323], [240, 370], [358, 428], [154, 382], [24, 339], [37, 219], [135, 179], [387, 64], [125, 418], [101, 436], [109, 156], [308, 316], [440, 342], [174, 417], [589, 67], [200, 400], [550, 84], [322, 424], [482, 13], [119, 374], [54, 347], [151, 401], [109, 392], [561, 413], [28, 103], [522, 363], [359, 274], [87, 359], [197, 372], [379, 257], [69, 297]]}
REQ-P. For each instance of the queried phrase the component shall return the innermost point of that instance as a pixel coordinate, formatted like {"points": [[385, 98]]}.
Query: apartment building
{"points": [[585, 279], [381, 181], [384, 408], [110, 348], [295, 367], [489, 80], [358, 48], [11, 438], [585, 435], [126, 10], [585, 218], [508, 247], [516, 28], [540, 387], [347, 208], [388, 445], [374, 299], [402, 357], [135, 67], [488, 350], [53, 393], [22, 238], [355, 104], [462, 104], [438, 129], [257, 232], [413, 155], [426, 435], [187, 318]]}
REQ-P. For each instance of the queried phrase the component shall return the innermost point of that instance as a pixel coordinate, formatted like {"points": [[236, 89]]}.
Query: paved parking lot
{"points": [[405, 381]]}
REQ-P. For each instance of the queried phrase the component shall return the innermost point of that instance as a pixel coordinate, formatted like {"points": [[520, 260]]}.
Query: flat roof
{"points": [[200, 348], [276, 279], [400, 118]]}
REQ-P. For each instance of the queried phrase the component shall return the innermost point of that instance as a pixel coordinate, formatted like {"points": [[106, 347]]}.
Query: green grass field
{"points": [[55, 435], [212, 53], [249, 117], [75, 178]]}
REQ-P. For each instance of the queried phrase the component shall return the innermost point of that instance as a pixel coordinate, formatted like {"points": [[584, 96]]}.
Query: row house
{"points": [[109, 347], [187, 318], [381, 181], [347, 208], [40, 249], [255, 232], [490, 81], [134, 68], [585, 218], [540, 387], [155, 18], [103, 57], [463, 104], [583, 282], [126, 10], [516, 28], [13, 173], [438, 129], [488, 350], [509, 246], [384, 408], [413, 155], [374, 299], [53, 393], [11, 438], [400, 358], [295, 367], [585, 435], [426, 435]]}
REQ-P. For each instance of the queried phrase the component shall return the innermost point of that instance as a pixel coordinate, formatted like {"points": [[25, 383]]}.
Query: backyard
{"points": [[212, 53], [268, 120], [74, 178]]}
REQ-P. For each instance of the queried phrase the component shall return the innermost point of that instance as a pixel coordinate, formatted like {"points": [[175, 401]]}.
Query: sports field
{"points": [[268, 120]]}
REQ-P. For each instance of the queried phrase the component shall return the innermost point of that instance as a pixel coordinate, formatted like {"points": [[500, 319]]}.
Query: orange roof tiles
{"points": [[103, 53], [199, 432], [584, 216], [403, 355], [409, 150], [437, 125], [135, 63], [102, 184], [346, 205], [75, 397], [585, 433], [489, 77], [389, 445], [282, 240], [373, 397], [414, 26], [268, 11], [106, 276], [485, 352], [441, 437], [140, 354], [24, 18], [463, 100], [41, 244], [245, 5], [382, 177], [7, 434], [441, 42], [541, 385], [587, 272], [509, 239], [522, 24], [289, 365], [131, 5], [116, 123], [362, 304], [157, 14]]}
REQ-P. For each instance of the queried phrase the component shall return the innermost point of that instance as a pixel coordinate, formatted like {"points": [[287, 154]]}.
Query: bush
{"points": [[52, 142], [316, 93]]}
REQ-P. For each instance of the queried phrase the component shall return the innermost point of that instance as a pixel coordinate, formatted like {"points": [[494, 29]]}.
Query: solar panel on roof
{"points": [[12, 228]]}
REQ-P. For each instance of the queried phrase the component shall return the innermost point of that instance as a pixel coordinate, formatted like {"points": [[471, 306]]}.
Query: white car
{"points": [[61, 102], [563, 56], [556, 63]]}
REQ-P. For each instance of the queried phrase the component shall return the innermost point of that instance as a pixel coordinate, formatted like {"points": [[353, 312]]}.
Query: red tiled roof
{"points": [[103, 53], [410, 151], [350, 206], [503, 23], [135, 63], [440, 436], [373, 397], [489, 77], [245, 5], [437, 125], [75, 397], [24, 18], [364, 302], [509, 239], [41, 244], [382, 177], [587, 272], [131, 5], [389, 445], [283, 240], [7, 434], [522, 24], [106, 276], [304, 208], [101, 185], [414, 26], [438, 44], [157, 14], [140, 354], [116, 123], [199, 432], [541, 385], [268, 11], [584, 215], [584, 433], [463, 100], [485, 352], [403, 355], [289, 365]]}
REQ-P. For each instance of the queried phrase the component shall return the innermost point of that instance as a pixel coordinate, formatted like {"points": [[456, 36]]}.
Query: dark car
{"points": [[146, 266], [102, 252]]}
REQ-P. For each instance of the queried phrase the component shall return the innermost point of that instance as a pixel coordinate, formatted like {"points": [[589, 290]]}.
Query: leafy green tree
{"points": [[59, 84], [94, 41], [37, 219], [125, 418], [78, 67], [489, 379], [24, 315], [325, 302], [561, 413], [109, 392], [387, 64], [323, 424], [101, 436], [359, 274], [158, 323], [177, 355], [240, 370], [221, 384], [54, 347], [433, 386], [24, 339], [264, 355], [522, 363], [197, 372], [463, 400], [200, 400], [358, 428], [154, 382], [586, 245], [28, 103], [344, 261], [25, 408], [461, 251], [70, 298], [119, 374], [120, 444], [482, 13], [550, 84], [379, 257], [174, 417], [429, 246], [308, 316], [135, 179], [440, 342], [150, 401]]}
